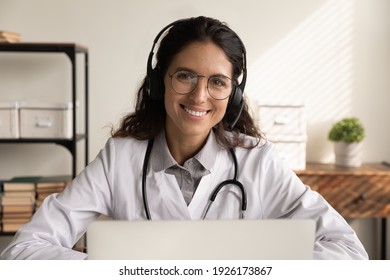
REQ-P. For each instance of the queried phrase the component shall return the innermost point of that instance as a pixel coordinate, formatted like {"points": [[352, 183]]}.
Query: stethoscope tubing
{"points": [[144, 172]]}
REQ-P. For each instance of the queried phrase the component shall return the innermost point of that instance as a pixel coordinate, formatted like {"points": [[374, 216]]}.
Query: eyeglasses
{"points": [[184, 82]]}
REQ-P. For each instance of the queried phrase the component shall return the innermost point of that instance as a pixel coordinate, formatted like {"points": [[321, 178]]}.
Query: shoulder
{"points": [[262, 154], [125, 142], [260, 146], [124, 146]]}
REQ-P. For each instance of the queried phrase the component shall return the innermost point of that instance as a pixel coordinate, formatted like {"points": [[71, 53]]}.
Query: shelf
{"points": [[2, 233], [67, 143], [42, 140], [43, 47], [71, 50]]}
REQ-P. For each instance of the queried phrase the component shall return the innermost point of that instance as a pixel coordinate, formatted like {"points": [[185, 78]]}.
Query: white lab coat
{"points": [[111, 185]]}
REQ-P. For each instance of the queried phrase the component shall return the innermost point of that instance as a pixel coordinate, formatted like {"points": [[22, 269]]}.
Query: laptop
{"points": [[201, 240]]}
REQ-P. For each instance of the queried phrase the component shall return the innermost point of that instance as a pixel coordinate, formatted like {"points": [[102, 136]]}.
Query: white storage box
{"points": [[282, 120], [9, 120], [285, 126], [292, 151], [45, 120]]}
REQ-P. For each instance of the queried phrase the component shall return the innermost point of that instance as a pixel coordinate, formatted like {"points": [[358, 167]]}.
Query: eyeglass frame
{"points": [[234, 84]]}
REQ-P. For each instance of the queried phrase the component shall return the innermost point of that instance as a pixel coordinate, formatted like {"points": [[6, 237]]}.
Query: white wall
{"points": [[332, 55]]}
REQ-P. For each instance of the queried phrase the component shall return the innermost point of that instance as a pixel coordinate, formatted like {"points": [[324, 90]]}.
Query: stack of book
{"points": [[17, 202], [23, 195], [9, 37], [49, 185]]}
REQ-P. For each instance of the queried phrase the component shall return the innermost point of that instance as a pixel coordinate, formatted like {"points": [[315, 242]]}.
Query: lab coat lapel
{"points": [[165, 198], [206, 185], [227, 202], [199, 201]]}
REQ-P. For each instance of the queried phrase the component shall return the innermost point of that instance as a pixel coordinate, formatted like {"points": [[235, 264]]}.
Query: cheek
{"points": [[170, 102], [222, 106], [220, 110]]}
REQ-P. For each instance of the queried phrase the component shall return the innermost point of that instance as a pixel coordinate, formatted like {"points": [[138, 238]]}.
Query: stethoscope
{"points": [[214, 194]]}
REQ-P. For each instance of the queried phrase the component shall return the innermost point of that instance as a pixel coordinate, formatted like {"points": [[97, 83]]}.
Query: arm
{"points": [[62, 218], [290, 198]]}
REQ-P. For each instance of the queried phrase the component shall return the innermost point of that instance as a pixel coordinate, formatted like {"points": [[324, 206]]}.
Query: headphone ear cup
{"points": [[155, 85], [235, 101], [234, 108]]}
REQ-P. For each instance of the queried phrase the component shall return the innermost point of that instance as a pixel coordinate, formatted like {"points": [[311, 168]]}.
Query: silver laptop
{"points": [[201, 240]]}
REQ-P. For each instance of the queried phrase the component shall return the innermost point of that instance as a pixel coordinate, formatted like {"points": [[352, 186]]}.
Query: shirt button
{"points": [[190, 162]]}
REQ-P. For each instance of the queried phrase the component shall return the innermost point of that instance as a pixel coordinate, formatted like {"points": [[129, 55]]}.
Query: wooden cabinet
{"points": [[355, 193]]}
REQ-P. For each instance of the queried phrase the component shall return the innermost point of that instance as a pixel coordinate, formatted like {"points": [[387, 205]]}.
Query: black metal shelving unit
{"points": [[71, 50]]}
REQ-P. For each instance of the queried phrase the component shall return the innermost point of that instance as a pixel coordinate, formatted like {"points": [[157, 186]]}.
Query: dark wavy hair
{"points": [[148, 120]]}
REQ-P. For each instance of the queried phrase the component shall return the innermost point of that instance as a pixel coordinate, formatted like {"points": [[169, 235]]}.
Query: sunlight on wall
{"points": [[312, 65]]}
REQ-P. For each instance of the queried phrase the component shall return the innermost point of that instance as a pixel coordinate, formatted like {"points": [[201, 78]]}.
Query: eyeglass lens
{"points": [[184, 82]]}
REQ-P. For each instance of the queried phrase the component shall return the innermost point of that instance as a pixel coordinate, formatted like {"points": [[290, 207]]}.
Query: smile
{"points": [[195, 113]]}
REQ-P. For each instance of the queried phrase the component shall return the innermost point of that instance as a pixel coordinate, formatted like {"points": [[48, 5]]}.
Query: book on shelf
{"points": [[31, 183], [18, 193], [23, 208], [48, 185], [17, 200], [9, 37], [21, 183], [4, 33], [16, 220], [22, 215], [50, 190], [24, 194], [42, 196], [55, 181], [11, 227]]}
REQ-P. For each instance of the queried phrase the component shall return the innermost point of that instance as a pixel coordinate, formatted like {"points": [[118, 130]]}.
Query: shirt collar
{"points": [[161, 158]]}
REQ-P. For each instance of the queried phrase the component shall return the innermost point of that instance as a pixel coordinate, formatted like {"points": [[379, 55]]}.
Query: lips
{"points": [[195, 113]]}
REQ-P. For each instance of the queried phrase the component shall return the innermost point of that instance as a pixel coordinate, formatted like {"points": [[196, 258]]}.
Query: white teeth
{"points": [[195, 113]]}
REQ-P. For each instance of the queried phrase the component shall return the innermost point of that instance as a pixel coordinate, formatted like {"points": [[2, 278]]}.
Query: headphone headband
{"points": [[155, 41]]}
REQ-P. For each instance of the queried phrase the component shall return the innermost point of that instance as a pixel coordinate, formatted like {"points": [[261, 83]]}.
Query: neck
{"points": [[182, 147]]}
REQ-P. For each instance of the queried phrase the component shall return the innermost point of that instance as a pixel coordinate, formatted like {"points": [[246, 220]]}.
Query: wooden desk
{"points": [[362, 192]]}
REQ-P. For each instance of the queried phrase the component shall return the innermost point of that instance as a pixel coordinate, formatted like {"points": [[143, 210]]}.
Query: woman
{"points": [[189, 114]]}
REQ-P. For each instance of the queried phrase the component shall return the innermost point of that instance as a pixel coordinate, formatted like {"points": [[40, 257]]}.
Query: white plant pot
{"points": [[348, 154]]}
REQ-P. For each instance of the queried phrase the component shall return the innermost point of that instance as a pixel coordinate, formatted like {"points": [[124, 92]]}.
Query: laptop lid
{"points": [[201, 239]]}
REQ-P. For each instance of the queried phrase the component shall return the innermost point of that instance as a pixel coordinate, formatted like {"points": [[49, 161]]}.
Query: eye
{"points": [[219, 81], [185, 75]]}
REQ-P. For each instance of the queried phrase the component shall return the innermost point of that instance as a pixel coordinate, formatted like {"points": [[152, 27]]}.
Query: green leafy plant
{"points": [[348, 130]]}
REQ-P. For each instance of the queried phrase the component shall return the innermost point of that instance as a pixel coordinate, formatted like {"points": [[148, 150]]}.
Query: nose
{"points": [[200, 93]]}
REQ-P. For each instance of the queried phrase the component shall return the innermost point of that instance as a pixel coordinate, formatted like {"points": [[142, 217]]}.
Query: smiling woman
{"points": [[212, 58], [203, 157], [191, 117]]}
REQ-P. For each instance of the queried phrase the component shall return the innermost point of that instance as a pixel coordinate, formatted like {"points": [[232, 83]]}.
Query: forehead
{"points": [[204, 58]]}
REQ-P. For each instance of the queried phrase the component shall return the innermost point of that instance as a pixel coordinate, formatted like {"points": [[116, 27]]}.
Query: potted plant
{"points": [[348, 134]]}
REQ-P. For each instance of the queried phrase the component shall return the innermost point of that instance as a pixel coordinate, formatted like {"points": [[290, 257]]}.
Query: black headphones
{"points": [[155, 84]]}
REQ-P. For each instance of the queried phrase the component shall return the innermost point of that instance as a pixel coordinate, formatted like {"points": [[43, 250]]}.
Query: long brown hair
{"points": [[149, 116]]}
